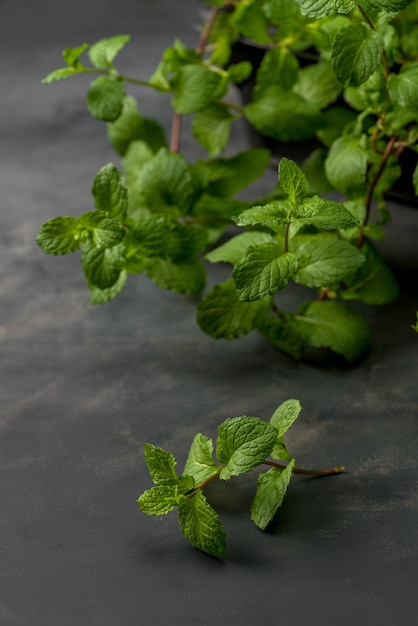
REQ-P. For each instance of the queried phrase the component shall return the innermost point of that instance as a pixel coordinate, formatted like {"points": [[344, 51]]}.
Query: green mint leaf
{"points": [[279, 66], [280, 333], [232, 250], [211, 127], [325, 260], [104, 231], [391, 6], [161, 465], [109, 192], [415, 179], [346, 165], [196, 87], [165, 184], [272, 215], [285, 14], [238, 72], [105, 98], [243, 443], [200, 524], [102, 266], [72, 55], [158, 500], [320, 8], [221, 313], [101, 296], [314, 168], [161, 236], [60, 74], [283, 115], [250, 20], [292, 180], [285, 415], [187, 277], [228, 176], [271, 490], [326, 214], [356, 54], [334, 325], [403, 87], [130, 126], [263, 270], [60, 235], [318, 84], [373, 283], [200, 463], [103, 53]]}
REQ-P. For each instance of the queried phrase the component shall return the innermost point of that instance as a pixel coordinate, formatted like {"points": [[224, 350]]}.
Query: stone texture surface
{"points": [[82, 388]]}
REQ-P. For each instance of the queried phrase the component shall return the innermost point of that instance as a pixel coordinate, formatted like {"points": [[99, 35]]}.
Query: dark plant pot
{"points": [[403, 191]]}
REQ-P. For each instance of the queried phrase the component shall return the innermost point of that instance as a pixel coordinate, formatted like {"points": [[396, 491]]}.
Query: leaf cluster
{"points": [[243, 444], [160, 215]]}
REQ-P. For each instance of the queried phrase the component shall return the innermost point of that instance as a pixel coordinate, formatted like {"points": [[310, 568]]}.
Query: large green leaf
{"points": [[221, 314], [346, 165], [325, 260], [201, 526], [196, 87], [271, 490], [60, 235], [263, 270], [320, 8], [334, 325], [283, 115], [356, 54], [105, 98], [243, 443]]}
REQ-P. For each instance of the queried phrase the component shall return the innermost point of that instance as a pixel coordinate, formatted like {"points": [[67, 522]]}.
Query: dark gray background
{"points": [[82, 389]]}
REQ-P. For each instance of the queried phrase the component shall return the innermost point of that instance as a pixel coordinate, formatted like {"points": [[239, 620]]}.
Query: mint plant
{"points": [[158, 214], [243, 444]]}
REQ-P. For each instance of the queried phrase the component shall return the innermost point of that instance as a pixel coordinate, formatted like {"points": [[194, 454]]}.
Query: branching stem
{"points": [[372, 185]]}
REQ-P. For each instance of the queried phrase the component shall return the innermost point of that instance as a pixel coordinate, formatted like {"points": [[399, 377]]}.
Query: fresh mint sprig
{"points": [[243, 444]]}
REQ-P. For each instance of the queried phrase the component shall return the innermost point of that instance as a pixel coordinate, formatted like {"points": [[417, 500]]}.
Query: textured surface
{"points": [[82, 388]]}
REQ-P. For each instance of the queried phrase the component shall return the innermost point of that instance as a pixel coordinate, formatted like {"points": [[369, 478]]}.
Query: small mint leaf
{"points": [[161, 465], [109, 192], [211, 127], [103, 52], [292, 180], [130, 127], [158, 500], [60, 74], [200, 524], [197, 87], [232, 250], [243, 443], [346, 165], [72, 55], [200, 463], [272, 215], [60, 235], [101, 296], [105, 98], [102, 266], [285, 415], [271, 490]]}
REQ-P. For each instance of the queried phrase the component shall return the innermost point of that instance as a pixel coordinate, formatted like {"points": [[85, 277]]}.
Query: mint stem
{"points": [[309, 472], [176, 122]]}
